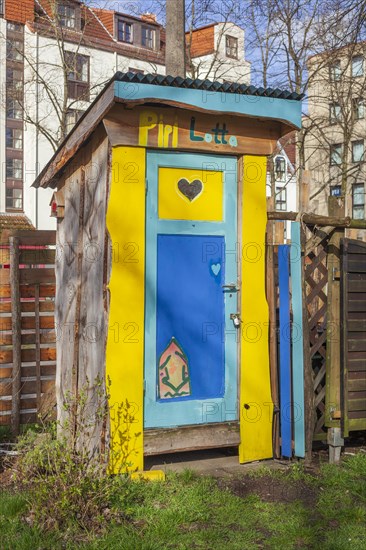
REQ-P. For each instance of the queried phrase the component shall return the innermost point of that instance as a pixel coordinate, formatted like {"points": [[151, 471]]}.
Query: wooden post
{"points": [[16, 333], [271, 299], [336, 207], [175, 38], [77, 335]]}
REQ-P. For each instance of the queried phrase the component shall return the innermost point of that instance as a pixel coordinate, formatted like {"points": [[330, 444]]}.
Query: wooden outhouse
{"points": [[161, 263]]}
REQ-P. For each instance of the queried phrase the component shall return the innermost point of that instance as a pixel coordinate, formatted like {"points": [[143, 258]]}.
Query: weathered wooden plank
{"points": [[27, 323], [357, 345], [38, 256], [357, 325], [188, 438], [355, 364], [36, 237], [357, 265], [47, 369], [28, 291], [355, 304], [357, 405], [93, 319], [355, 247], [357, 384]]}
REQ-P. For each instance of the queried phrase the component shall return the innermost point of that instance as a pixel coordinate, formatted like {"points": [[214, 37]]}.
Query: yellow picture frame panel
{"points": [[193, 195]]}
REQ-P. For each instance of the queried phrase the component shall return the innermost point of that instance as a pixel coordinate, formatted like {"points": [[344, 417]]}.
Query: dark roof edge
{"points": [[207, 85]]}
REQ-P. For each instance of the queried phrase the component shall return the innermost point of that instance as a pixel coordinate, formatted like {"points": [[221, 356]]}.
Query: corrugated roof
{"points": [[207, 85]]}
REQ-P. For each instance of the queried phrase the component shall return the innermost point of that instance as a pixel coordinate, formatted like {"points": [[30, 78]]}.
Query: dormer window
{"points": [[231, 43], [148, 37], [67, 16], [124, 31]]}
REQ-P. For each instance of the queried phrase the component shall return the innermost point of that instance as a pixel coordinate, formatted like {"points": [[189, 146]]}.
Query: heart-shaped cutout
{"points": [[215, 268], [190, 190]]}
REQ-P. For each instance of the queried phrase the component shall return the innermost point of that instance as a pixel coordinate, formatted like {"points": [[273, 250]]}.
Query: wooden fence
{"points": [[27, 329]]}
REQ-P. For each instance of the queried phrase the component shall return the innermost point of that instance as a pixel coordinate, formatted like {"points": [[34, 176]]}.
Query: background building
{"points": [[56, 56], [335, 131]]}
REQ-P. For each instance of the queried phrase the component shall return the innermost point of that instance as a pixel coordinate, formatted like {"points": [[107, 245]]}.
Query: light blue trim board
{"points": [[283, 110], [297, 341]]}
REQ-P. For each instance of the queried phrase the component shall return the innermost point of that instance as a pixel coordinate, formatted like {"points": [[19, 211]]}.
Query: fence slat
{"points": [[16, 333]]}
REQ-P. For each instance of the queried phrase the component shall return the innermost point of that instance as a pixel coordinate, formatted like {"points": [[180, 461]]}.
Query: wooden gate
{"points": [[353, 335], [27, 331]]}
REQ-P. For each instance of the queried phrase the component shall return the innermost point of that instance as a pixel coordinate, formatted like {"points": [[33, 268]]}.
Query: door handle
{"points": [[232, 287]]}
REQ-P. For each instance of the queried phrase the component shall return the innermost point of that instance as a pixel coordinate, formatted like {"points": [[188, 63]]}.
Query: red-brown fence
{"points": [[27, 330]]}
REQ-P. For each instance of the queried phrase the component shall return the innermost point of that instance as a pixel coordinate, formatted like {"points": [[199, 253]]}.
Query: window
{"points": [[231, 45], [124, 31], [336, 152], [78, 76], [336, 191], [148, 37], [14, 50], [1, 7], [14, 169], [281, 198], [72, 116], [334, 113], [358, 105], [13, 109], [280, 168], [335, 70], [357, 65], [14, 27], [358, 201], [357, 151], [14, 138], [67, 16], [14, 199], [14, 78]]}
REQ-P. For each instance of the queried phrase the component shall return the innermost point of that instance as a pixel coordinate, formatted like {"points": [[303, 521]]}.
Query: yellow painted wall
{"points": [[256, 407], [125, 340]]}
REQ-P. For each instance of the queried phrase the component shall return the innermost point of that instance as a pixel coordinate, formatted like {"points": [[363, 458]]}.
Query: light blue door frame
{"points": [[194, 250]]}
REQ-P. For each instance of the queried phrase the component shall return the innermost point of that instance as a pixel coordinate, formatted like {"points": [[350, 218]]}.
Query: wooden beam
{"points": [[190, 438], [315, 219]]}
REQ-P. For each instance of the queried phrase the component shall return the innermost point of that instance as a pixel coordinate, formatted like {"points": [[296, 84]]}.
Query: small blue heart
{"points": [[216, 269]]}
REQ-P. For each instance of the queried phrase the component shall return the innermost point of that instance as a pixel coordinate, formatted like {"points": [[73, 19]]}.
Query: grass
{"points": [[191, 512]]}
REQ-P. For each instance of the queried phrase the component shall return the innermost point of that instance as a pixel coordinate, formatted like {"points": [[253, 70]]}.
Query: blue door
{"points": [[191, 290]]}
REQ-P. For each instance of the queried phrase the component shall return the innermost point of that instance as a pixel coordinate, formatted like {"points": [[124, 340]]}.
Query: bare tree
{"points": [[56, 81]]}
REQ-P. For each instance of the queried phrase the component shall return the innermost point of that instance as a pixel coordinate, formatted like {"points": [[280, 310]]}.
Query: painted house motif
{"points": [[164, 194]]}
